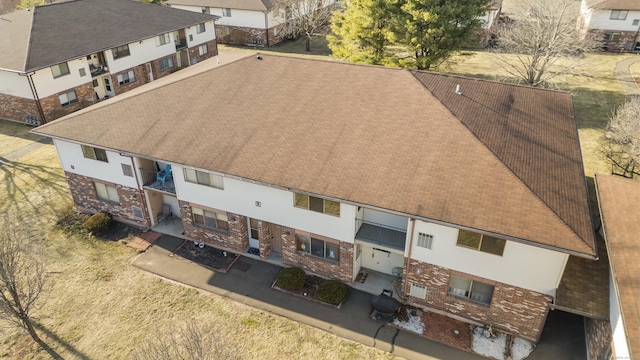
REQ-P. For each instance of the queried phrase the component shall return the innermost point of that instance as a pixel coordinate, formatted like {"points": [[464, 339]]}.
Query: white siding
{"points": [[73, 161], [378, 217], [244, 18], [520, 265], [276, 206], [15, 85], [47, 85], [617, 326], [141, 52], [600, 19], [208, 34]]}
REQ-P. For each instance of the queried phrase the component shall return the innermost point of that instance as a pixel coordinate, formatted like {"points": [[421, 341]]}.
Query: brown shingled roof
{"points": [[395, 139], [618, 199], [614, 4]]}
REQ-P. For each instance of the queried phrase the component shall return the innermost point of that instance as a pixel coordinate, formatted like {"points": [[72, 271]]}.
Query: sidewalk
{"points": [[249, 282], [628, 84]]}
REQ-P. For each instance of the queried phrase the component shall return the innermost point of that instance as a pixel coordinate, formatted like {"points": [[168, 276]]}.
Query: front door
{"points": [[276, 238], [254, 238], [107, 86]]}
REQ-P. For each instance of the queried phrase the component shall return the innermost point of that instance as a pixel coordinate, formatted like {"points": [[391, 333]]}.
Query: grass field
{"points": [[98, 306]]}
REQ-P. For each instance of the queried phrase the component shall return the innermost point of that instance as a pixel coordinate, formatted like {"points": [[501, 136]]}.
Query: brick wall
{"points": [[155, 66], [513, 310], [599, 338], [235, 239], [212, 50], [264, 237], [626, 42], [276, 34], [141, 77], [17, 108], [342, 270], [53, 109], [238, 35], [86, 199]]}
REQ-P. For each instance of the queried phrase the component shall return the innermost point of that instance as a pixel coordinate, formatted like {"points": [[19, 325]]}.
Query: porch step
{"points": [[144, 240]]}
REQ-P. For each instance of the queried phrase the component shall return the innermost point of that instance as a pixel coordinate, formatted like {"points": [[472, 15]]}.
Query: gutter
{"points": [[34, 92]]}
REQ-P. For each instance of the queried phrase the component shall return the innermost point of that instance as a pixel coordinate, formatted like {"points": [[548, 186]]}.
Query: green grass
{"points": [[319, 48]]}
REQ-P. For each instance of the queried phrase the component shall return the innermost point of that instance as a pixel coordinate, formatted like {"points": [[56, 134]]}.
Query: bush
{"points": [[292, 278], [332, 291], [97, 222]]}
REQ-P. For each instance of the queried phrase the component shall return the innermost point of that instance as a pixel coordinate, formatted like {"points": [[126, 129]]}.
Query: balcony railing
{"points": [[151, 180], [383, 235], [181, 43]]}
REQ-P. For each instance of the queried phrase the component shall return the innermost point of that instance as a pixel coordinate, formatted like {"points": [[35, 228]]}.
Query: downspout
{"points": [[35, 97], [266, 26], [150, 71], [143, 201], [405, 274]]}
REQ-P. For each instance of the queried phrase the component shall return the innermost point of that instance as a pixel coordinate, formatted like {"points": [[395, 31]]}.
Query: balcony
{"points": [[97, 64], [382, 235], [181, 43], [151, 180]]}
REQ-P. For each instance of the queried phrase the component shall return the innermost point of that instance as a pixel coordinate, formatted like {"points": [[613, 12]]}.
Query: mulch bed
{"points": [[207, 256], [115, 232], [309, 290]]}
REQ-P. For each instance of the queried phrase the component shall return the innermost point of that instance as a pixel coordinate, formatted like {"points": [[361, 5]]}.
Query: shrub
{"points": [[97, 222], [332, 291], [292, 278]]}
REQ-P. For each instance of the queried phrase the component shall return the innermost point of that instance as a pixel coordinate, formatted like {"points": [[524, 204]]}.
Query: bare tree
{"points": [[622, 139], [305, 17], [192, 340], [22, 274], [541, 33]]}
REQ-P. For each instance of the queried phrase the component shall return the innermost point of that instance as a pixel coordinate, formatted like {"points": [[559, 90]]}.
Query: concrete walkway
{"points": [[629, 86], [249, 282], [17, 154]]}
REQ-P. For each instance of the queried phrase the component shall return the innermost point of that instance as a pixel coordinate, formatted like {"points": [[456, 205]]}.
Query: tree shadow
{"points": [[45, 178], [70, 349]]}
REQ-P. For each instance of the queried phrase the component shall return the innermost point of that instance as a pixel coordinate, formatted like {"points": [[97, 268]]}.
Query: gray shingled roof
{"points": [[614, 4], [67, 30], [499, 158], [258, 5]]}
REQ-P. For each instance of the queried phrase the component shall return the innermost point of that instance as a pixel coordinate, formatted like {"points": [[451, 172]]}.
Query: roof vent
{"points": [[458, 89], [259, 57]]}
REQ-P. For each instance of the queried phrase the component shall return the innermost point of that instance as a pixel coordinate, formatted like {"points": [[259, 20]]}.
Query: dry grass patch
{"points": [[13, 136]]}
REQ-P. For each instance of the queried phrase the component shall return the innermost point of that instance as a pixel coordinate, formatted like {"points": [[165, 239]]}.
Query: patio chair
{"points": [[164, 174]]}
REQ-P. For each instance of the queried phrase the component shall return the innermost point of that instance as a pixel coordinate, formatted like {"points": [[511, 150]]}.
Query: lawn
{"points": [[98, 306], [14, 136]]}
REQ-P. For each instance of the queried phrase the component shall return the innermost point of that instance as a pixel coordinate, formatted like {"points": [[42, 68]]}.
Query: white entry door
{"points": [[254, 241], [381, 260]]}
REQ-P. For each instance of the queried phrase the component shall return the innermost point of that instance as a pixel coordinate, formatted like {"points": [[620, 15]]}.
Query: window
{"points": [[162, 39], [253, 229], [418, 291], [60, 70], [200, 28], [619, 14], [107, 192], [484, 243], [613, 37], [137, 212], [318, 248], [126, 78], [166, 63], [636, 22], [470, 289], [120, 51], [82, 72], [203, 178], [95, 83], [203, 50], [190, 37], [226, 12], [210, 219], [316, 204], [206, 10], [425, 240], [94, 153], [68, 98], [127, 170]]}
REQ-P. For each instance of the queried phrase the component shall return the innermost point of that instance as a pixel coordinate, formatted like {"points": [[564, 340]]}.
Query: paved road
{"points": [[629, 86]]}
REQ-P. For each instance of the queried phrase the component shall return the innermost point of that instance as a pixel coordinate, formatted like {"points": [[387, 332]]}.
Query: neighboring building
{"points": [[472, 191], [56, 59], [250, 22], [619, 338], [617, 20]]}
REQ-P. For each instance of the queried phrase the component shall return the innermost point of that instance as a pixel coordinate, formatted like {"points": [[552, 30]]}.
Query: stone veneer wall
{"points": [[599, 337], [236, 239], [212, 50], [343, 270], [86, 199], [52, 108], [17, 108], [513, 310], [264, 237]]}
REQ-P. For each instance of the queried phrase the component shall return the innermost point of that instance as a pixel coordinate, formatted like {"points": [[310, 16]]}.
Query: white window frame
{"points": [[69, 98], [619, 14], [93, 153], [162, 39], [120, 51], [469, 292], [130, 77], [59, 70], [226, 12], [297, 203], [106, 192], [200, 28], [203, 178], [210, 219], [425, 240], [166, 63], [203, 50]]}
